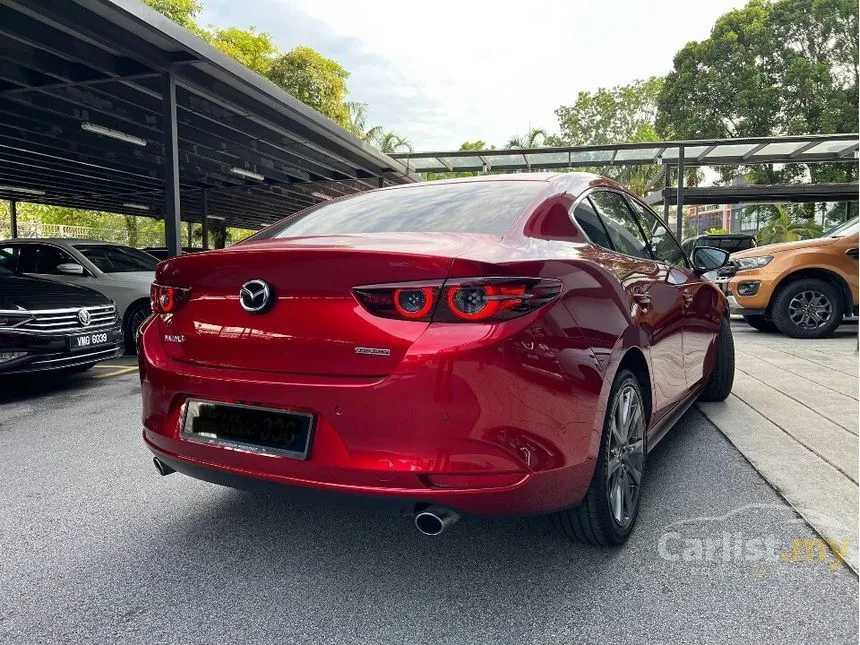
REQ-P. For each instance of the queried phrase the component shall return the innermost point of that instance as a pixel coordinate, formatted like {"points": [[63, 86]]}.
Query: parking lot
{"points": [[98, 548]]}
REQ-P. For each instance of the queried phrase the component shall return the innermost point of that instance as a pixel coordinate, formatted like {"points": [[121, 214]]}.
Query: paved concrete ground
{"points": [[793, 414], [98, 549]]}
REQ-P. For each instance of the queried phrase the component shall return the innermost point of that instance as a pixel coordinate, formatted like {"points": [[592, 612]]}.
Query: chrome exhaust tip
{"points": [[162, 468], [434, 520]]}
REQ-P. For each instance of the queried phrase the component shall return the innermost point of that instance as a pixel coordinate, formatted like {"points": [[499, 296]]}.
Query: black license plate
{"points": [[245, 427], [88, 341]]}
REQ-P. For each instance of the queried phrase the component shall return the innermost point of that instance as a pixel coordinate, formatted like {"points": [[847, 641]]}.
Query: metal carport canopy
{"points": [[810, 148], [709, 152], [86, 121]]}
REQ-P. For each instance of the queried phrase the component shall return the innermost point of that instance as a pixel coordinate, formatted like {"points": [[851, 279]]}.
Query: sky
{"points": [[444, 72]]}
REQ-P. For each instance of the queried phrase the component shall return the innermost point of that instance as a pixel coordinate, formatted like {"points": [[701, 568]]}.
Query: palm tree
{"points": [[358, 122], [389, 142], [785, 229], [534, 138]]}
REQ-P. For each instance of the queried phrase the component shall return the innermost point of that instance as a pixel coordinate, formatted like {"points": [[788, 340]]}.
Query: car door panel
{"points": [[655, 302]]}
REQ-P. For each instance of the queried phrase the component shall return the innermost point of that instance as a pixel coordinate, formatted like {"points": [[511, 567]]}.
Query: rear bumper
{"points": [[389, 439]]}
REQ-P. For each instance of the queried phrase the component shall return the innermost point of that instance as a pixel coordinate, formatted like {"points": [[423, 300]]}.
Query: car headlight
{"points": [[752, 263]]}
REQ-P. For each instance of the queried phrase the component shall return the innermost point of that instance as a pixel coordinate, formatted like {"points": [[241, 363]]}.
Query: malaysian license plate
{"points": [[249, 428], [86, 341]]}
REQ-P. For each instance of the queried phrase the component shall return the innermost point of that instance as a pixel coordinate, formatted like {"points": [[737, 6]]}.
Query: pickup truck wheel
{"points": [[808, 308]]}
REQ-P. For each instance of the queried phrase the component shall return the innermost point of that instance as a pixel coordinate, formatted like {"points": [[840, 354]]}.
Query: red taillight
{"points": [[459, 300], [481, 302], [415, 303], [167, 300]]}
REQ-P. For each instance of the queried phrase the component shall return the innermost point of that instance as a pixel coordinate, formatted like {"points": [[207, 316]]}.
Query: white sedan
{"points": [[122, 273]]}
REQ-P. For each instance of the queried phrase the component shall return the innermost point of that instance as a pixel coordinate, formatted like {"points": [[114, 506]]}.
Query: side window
{"points": [[9, 258], [590, 223], [39, 258], [663, 244], [623, 230]]}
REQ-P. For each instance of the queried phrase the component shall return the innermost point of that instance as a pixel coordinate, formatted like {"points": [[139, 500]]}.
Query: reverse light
{"points": [[757, 262], [167, 300], [492, 299]]}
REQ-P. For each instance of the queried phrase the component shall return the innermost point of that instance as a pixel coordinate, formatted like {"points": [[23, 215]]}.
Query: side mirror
{"points": [[708, 258], [70, 268]]}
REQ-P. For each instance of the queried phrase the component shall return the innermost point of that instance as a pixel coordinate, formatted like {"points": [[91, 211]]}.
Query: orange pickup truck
{"points": [[802, 289]]}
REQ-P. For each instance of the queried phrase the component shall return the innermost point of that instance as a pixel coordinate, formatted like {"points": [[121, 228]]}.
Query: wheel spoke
{"points": [[617, 499], [612, 467], [635, 472]]}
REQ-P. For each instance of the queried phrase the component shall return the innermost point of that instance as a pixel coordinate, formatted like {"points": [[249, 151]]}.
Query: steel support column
{"points": [[171, 166], [679, 215], [667, 184], [13, 217], [205, 221]]}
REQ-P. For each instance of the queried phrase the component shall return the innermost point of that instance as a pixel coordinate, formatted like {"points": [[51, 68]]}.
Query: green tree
{"points": [[389, 142], [534, 138], [358, 122], [785, 228], [254, 50], [622, 114], [770, 68], [182, 12], [316, 81]]}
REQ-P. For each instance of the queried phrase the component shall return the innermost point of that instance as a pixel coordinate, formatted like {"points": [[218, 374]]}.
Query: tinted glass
{"points": [[843, 230], [41, 258], [474, 207], [590, 223], [663, 243], [117, 259], [623, 230], [9, 258]]}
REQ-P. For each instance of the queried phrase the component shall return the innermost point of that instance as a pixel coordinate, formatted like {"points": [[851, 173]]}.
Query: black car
{"points": [[47, 325]]}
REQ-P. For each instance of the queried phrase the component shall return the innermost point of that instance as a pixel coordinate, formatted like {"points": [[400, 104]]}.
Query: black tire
{"points": [[757, 321], [134, 317], [788, 310], [723, 376], [593, 521]]}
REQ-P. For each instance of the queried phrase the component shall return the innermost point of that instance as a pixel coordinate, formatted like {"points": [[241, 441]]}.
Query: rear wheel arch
{"points": [[820, 274], [635, 361]]}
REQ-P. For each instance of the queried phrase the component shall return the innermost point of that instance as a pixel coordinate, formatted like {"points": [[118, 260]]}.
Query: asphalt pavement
{"points": [[97, 548]]}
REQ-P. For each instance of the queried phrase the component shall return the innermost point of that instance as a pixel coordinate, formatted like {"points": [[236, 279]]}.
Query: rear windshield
{"points": [[472, 207]]}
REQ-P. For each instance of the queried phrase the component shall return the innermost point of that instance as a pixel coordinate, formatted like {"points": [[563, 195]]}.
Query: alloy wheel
{"points": [[626, 455], [810, 309]]}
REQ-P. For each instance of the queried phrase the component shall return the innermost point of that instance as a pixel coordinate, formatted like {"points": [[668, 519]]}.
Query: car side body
{"points": [[489, 419]]}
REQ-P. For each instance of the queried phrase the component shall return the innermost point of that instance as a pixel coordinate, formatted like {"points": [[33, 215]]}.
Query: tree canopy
{"points": [[625, 113], [769, 68]]}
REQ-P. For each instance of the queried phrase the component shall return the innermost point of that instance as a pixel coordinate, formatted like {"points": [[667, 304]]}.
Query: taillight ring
{"points": [[424, 308]]}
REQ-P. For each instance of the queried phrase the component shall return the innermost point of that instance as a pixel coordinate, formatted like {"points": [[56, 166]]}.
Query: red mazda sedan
{"points": [[505, 345]]}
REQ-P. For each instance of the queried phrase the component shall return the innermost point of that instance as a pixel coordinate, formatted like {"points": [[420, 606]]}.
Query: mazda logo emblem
{"points": [[83, 317], [256, 296]]}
